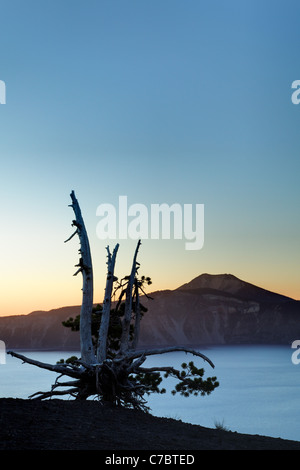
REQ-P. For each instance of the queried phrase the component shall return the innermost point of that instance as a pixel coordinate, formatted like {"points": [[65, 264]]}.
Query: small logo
{"points": [[2, 92], [2, 352], [295, 358]]}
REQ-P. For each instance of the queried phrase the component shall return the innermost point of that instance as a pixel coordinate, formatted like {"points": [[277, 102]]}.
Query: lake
{"points": [[259, 390]]}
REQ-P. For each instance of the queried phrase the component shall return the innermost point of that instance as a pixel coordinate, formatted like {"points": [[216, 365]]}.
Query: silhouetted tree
{"points": [[111, 366]]}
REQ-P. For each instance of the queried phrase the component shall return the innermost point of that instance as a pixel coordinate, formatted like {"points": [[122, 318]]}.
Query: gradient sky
{"points": [[164, 101]]}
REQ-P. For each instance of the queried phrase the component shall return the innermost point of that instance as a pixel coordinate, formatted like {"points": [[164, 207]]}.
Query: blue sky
{"points": [[165, 102]]}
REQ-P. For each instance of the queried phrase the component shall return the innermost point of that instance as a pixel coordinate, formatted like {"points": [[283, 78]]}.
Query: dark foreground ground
{"points": [[70, 425]]}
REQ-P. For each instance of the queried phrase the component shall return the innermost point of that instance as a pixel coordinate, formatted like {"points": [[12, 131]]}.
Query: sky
{"points": [[161, 101]]}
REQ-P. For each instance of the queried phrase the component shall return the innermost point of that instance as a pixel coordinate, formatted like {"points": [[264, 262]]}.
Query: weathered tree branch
{"points": [[128, 304], [73, 235], [103, 329], [43, 395], [135, 354], [137, 316], [65, 369], [85, 263]]}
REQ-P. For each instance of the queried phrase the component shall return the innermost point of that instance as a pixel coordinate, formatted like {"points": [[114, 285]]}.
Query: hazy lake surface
{"points": [[259, 390]]}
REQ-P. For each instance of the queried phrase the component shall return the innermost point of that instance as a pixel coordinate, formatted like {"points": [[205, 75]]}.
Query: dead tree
{"points": [[115, 373], [86, 268]]}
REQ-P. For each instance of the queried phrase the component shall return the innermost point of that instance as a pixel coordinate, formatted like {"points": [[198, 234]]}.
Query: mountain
{"points": [[220, 309], [227, 283], [210, 309]]}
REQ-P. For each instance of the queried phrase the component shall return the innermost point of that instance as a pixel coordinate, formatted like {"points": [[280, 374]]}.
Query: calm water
{"points": [[259, 389]]}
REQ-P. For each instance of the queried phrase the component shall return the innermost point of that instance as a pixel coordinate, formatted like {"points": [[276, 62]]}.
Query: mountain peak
{"points": [[224, 282], [230, 284]]}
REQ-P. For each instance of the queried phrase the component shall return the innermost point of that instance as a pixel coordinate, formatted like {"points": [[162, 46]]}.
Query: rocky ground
{"points": [[71, 425]]}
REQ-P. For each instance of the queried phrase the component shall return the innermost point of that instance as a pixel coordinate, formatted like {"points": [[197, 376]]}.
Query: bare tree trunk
{"points": [[103, 329], [128, 304], [137, 316], [86, 268]]}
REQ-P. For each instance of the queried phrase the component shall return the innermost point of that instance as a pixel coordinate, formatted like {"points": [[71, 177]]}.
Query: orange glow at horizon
{"points": [[71, 295]]}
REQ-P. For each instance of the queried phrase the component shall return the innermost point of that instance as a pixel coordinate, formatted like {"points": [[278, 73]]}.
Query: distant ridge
{"points": [[209, 309], [40, 330]]}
